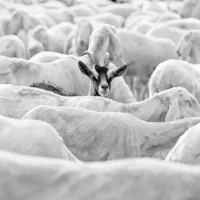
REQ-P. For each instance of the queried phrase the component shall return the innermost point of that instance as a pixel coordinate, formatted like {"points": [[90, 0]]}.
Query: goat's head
{"points": [[102, 76]]}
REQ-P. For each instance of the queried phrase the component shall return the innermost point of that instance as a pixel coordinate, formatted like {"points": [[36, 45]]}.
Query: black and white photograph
{"points": [[99, 99]]}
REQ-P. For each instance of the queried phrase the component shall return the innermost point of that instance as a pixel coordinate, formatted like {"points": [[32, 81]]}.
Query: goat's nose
{"points": [[82, 43], [178, 53], [104, 86]]}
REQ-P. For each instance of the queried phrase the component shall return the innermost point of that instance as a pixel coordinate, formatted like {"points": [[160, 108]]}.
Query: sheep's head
{"points": [[83, 33], [188, 46], [102, 76], [6, 70], [37, 40], [180, 103], [189, 8]]}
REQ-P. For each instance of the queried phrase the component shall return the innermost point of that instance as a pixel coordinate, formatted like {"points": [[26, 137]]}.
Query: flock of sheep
{"points": [[99, 100]]}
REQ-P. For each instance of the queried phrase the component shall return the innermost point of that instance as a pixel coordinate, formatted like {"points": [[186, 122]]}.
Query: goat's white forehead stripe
{"points": [[109, 72], [95, 73]]}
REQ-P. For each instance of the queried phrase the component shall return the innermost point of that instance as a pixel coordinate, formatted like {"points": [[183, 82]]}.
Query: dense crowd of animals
{"points": [[99, 99]]}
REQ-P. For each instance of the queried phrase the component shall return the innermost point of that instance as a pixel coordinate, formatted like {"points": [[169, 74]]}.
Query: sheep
{"points": [[186, 149], [111, 135], [47, 56], [172, 104], [188, 47], [43, 19], [32, 137], [190, 9], [138, 17], [12, 46], [50, 87], [186, 24], [143, 54], [79, 41], [174, 73], [25, 98], [172, 33], [70, 78], [82, 10], [60, 15], [123, 10], [26, 177], [108, 18], [51, 39]]}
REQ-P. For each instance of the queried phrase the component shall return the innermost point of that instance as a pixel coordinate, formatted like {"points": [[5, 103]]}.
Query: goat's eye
{"points": [[93, 77], [187, 102]]}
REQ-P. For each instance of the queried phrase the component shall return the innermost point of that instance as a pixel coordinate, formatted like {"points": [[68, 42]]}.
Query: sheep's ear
{"points": [[84, 69], [119, 71], [173, 112], [40, 33], [186, 51]]}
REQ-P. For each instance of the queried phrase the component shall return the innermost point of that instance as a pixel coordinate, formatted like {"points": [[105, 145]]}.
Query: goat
{"points": [[65, 72], [101, 76], [111, 135]]}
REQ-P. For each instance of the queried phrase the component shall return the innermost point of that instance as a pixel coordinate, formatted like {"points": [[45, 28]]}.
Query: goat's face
{"points": [[101, 77]]}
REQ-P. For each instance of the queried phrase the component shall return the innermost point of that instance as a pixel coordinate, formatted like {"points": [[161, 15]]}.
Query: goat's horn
{"points": [[107, 59]]}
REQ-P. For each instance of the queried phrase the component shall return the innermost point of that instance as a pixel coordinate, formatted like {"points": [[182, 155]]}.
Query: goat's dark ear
{"points": [[84, 69], [119, 71]]}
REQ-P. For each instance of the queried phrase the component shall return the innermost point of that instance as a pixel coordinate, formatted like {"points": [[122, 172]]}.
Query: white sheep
{"points": [[123, 10], [186, 149], [162, 104], [82, 10], [111, 135], [186, 24], [60, 15], [26, 177], [32, 137], [108, 18], [175, 73], [142, 55], [47, 56], [52, 39], [188, 46], [12, 46], [190, 9], [172, 33], [79, 41]]}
